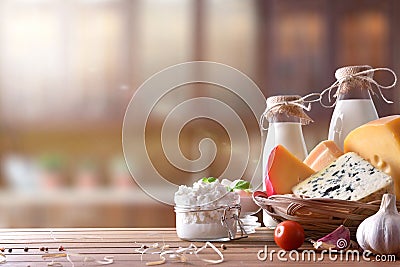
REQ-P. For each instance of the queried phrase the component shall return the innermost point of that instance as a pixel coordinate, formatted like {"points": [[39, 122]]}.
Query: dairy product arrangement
{"points": [[357, 165]]}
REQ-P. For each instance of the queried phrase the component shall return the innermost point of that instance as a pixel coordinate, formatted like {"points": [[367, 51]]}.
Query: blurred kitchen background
{"points": [[69, 68]]}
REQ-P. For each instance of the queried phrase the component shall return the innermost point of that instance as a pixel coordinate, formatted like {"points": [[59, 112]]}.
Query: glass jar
{"points": [[206, 224], [285, 117], [354, 106]]}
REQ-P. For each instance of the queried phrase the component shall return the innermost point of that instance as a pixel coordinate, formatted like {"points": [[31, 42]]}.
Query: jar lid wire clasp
{"points": [[225, 218]]}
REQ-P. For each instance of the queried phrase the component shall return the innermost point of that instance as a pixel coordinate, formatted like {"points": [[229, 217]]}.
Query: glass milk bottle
{"points": [[285, 117], [354, 105]]}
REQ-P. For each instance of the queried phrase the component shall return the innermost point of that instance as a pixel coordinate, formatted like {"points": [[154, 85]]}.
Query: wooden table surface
{"points": [[141, 246]]}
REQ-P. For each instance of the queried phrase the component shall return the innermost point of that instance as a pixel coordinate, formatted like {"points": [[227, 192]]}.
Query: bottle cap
{"points": [[291, 105], [349, 77]]}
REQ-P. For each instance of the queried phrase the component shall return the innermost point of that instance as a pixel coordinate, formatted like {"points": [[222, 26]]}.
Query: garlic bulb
{"points": [[380, 233]]}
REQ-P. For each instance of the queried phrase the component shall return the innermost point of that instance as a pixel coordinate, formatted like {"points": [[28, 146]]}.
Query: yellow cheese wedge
{"points": [[378, 142], [322, 155], [284, 171]]}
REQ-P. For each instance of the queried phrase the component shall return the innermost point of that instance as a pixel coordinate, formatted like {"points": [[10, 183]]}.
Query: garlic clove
{"points": [[338, 239]]}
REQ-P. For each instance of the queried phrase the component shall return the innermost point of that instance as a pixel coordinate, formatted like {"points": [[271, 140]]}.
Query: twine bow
{"points": [[302, 102], [359, 75]]}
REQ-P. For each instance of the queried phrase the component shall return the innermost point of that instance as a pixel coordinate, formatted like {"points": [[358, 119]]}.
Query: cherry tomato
{"points": [[289, 235]]}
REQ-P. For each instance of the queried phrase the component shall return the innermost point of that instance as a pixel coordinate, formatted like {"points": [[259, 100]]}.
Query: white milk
{"points": [[348, 115], [290, 135]]}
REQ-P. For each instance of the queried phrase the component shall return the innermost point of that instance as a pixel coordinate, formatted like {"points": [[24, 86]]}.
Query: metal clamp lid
{"points": [[224, 221]]}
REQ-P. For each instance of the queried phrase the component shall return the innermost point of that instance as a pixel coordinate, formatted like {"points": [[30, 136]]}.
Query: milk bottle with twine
{"points": [[353, 104], [285, 115]]}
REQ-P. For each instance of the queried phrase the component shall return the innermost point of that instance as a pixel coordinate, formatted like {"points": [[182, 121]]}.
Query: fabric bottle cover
{"points": [[291, 105], [358, 77], [349, 78]]}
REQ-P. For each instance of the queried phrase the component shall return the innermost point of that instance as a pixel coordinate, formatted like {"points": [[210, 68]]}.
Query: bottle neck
{"points": [[284, 118], [354, 90]]}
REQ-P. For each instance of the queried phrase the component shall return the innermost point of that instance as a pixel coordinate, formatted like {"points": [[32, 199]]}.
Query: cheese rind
{"points": [[322, 155], [378, 142], [284, 171], [350, 177]]}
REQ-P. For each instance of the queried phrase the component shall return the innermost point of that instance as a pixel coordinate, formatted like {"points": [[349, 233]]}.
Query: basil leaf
{"points": [[242, 185], [209, 179]]}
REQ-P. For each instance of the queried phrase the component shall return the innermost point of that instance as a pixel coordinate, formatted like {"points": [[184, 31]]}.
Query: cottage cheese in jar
{"points": [[199, 211]]}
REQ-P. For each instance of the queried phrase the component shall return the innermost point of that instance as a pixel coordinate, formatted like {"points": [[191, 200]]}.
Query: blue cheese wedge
{"points": [[350, 177]]}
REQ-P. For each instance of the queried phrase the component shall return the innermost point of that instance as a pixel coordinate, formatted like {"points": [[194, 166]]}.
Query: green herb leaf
{"points": [[209, 179], [242, 185]]}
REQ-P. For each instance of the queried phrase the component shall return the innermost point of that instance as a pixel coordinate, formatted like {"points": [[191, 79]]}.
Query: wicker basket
{"points": [[318, 216]]}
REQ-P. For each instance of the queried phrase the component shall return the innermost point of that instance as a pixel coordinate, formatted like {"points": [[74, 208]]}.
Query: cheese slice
{"points": [[322, 155], [350, 177], [284, 170], [379, 142]]}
